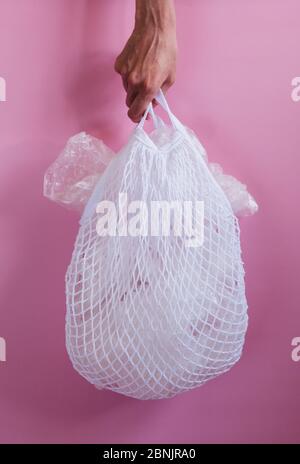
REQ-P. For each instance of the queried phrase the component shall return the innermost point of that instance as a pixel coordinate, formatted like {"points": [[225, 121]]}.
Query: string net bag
{"points": [[153, 315]]}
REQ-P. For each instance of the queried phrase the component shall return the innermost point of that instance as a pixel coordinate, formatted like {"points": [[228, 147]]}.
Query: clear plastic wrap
{"points": [[242, 202], [72, 177]]}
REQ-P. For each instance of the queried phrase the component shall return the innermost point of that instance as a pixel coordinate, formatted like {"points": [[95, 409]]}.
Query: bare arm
{"points": [[148, 60]]}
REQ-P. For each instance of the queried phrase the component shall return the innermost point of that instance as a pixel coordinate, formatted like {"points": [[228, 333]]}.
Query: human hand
{"points": [[148, 60]]}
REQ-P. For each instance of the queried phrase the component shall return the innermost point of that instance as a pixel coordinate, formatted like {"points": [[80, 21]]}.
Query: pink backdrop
{"points": [[236, 62]]}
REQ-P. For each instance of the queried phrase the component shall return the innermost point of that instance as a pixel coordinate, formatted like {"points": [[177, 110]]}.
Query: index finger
{"points": [[139, 106]]}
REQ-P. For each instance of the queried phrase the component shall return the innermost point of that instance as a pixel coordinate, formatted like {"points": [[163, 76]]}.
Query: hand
{"points": [[148, 60]]}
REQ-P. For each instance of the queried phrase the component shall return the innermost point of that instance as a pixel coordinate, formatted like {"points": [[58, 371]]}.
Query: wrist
{"points": [[158, 15]]}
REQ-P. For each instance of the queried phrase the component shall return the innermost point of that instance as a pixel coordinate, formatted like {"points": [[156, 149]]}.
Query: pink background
{"points": [[236, 62]]}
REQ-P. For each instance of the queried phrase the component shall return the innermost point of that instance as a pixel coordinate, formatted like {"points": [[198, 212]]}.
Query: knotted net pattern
{"points": [[147, 316]]}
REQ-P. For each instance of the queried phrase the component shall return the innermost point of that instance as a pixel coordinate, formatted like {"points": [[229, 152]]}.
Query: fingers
{"points": [[142, 94], [139, 96], [131, 95], [138, 107], [140, 91]]}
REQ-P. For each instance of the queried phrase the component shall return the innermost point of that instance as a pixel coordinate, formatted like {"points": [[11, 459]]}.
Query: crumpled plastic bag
{"points": [[71, 178]]}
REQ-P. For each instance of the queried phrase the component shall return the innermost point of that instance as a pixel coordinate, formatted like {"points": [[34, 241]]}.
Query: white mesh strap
{"points": [[157, 121], [161, 99], [154, 117]]}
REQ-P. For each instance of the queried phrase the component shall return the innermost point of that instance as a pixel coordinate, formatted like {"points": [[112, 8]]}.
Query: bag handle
{"points": [[161, 99], [157, 121]]}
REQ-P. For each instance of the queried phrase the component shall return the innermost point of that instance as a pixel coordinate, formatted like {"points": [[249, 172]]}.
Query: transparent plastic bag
{"points": [[72, 177]]}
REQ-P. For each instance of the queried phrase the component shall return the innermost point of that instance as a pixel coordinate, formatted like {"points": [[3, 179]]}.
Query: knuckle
{"points": [[148, 87], [132, 116], [119, 66], [133, 79]]}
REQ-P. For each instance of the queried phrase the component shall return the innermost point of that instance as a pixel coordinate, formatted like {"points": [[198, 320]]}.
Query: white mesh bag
{"points": [[152, 315]]}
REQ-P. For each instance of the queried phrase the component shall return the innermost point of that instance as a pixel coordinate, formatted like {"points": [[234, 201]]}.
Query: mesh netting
{"points": [[147, 316]]}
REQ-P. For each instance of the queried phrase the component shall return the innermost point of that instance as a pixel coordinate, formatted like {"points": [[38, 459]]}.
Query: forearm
{"points": [[160, 14]]}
